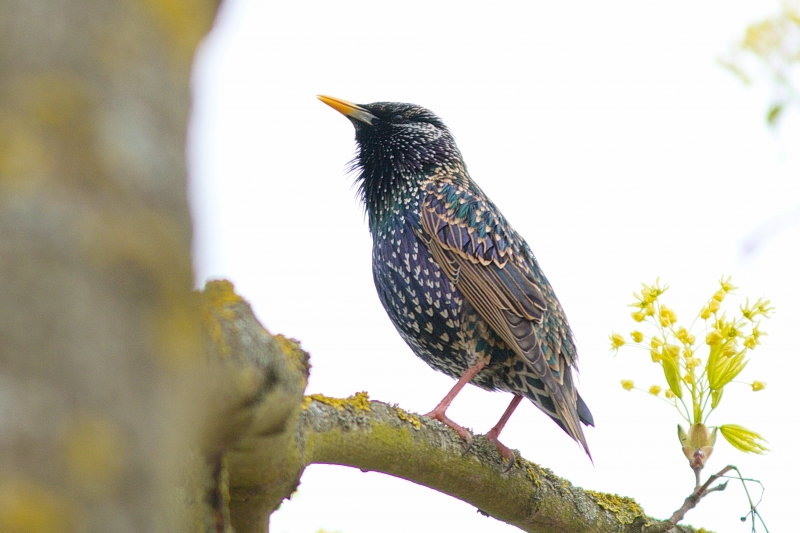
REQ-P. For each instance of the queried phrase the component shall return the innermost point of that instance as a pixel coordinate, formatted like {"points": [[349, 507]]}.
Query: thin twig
{"points": [[753, 512], [698, 494]]}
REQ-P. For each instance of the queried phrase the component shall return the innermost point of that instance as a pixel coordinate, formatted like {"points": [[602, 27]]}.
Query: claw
{"points": [[469, 446], [463, 432], [469, 441], [494, 434], [511, 463], [506, 454]]}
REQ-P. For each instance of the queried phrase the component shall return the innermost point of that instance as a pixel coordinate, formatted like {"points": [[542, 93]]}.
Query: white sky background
{"points": [[612, 141]]}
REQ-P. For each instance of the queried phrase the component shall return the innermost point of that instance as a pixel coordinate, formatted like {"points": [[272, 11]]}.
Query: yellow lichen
{"points": [[379, 436], [295, 356], [24, 155], [42, 114], [407, 417], [184, 23], [218, 297], [26, 506], [359, 401], [533, 476], [94, 450], [625, 509], [176, 333], [533, 471]]}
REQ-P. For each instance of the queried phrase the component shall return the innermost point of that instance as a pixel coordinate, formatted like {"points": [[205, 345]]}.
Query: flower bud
{"points": [[697, 445]]}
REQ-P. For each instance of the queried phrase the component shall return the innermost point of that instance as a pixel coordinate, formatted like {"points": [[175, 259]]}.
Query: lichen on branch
{"points": [[264, 467]]}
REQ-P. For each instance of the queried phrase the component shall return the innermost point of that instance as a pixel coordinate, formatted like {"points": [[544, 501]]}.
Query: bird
{"points": [[460, 285]]}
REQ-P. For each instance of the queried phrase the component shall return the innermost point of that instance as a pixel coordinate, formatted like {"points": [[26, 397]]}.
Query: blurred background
{"points": [[613, 137]]}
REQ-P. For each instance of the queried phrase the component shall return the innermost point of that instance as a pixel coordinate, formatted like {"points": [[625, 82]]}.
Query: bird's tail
{"points": [[583, 412], [547, 380], [570, 414], [555, 394]]}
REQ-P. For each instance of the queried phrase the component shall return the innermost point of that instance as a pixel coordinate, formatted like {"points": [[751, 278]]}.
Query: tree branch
{"points": [[384, 438], [102, 385], [699, 493], [273, 440]]}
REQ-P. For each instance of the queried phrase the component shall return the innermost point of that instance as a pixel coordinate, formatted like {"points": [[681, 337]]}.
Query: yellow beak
{"points": [[348, 109]]}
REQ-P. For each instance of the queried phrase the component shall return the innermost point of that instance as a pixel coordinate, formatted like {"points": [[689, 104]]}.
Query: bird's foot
{"points": [[464, 433], [504, 451]]}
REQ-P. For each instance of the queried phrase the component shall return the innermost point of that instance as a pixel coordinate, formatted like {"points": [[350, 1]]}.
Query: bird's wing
{"points": [[474, 235], [474, 245]]}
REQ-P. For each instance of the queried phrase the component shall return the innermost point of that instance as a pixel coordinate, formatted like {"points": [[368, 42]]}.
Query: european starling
{"points": [[460, 285]]}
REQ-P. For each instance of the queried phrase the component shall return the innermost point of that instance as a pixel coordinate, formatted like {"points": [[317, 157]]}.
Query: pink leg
{"points": [[438, 412], [494, 433]]}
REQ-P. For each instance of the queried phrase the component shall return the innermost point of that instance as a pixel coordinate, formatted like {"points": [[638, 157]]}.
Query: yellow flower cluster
{"points": [[714, 303], [760, 308], [617, 340], [666, 316], [646, 299], [695, 383], [684, 336]]}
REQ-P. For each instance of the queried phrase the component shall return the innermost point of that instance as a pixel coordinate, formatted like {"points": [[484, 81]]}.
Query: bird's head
{"points": [[399, 146], [406, 137]]}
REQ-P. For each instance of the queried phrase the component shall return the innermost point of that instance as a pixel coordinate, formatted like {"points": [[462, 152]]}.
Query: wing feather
{"points": [[479, 252]]}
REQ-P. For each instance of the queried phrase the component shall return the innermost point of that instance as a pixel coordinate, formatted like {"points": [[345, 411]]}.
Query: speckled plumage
{"points": [[457, 281]]}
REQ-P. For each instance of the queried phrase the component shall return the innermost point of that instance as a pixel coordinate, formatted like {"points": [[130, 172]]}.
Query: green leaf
{"points": [[743, 439], [721, 370], [669, 363], [716, 396], [714, 355], [774, 113]]}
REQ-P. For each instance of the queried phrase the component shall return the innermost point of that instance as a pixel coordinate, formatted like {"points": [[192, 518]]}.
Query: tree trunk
{"points": [[99, 336]]}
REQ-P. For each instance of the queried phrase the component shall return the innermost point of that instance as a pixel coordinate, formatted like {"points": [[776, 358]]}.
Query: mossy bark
{"points": [[278, 433]]}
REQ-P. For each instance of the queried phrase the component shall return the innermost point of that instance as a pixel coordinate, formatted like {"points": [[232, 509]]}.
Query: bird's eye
{"points": [[398, 118]]}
